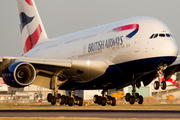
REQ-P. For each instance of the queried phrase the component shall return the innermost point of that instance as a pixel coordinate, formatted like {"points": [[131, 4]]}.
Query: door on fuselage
{"points": [[136, 44]]}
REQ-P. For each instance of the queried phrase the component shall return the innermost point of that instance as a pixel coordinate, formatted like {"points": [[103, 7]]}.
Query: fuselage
{"points": [[130, 46]]}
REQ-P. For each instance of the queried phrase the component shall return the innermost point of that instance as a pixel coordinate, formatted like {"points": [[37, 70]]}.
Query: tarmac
{"points": [[92, 113]]}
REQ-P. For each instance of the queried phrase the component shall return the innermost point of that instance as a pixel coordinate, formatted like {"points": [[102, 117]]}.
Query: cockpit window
{"points": [[155, 35], [168, 35], [161, 35], [151, 36]]}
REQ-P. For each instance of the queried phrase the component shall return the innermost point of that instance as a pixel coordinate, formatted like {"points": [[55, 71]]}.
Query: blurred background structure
{"points": [[35, 93]]}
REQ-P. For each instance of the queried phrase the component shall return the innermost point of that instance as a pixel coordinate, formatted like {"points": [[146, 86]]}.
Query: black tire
{"points": [[99, 100], [95, 99], [127, 97], [140, 99], [49, 97], [53, 100], [163, 85], [113, 101], [66, 100], [156, 85], [132, 100], [70, 102], [80, 101], [58, 96], [103, 101], [62, 99]]}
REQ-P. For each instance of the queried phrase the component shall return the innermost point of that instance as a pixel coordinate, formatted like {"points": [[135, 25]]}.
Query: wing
{"points": [[45, 69]]}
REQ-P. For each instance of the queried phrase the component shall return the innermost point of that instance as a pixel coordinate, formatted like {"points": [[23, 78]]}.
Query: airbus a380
{"points": [[115, 55]]}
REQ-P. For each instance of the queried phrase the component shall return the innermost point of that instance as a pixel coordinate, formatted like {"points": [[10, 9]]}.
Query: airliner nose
{"points": [[170, 48]]}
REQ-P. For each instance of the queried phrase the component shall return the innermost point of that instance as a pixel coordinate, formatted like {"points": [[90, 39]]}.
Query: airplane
{"points": [[110, 56]]}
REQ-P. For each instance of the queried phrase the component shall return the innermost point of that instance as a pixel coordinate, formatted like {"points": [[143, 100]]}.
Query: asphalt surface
{"points": [[90, 113]]}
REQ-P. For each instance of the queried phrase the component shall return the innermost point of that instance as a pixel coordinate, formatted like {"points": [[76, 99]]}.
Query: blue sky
{"points": [[62, 17]]}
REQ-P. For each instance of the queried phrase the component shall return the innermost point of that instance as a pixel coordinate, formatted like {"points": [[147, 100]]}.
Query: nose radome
{"points": [[170, 48]]}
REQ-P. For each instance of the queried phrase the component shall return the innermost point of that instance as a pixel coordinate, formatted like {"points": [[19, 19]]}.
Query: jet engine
{"points": [[19, 74]]}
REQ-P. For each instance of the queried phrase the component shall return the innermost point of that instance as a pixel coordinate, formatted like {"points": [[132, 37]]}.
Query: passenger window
{"points": [[161, 35], [155, 35], [168, 35], [151, 36]]}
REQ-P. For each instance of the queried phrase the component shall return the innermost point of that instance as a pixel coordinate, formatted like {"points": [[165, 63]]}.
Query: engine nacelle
{"points": [[19, 74]]}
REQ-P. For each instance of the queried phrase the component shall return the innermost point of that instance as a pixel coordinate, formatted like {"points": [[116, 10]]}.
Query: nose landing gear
{"points": [[160, 74]]}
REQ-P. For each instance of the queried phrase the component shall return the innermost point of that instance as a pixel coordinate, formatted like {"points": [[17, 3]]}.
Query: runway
{"points": [[91, 113]]}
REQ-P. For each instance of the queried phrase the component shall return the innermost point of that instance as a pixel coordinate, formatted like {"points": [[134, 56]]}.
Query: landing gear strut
{"points": [[135, 97], [104, 99], [160, 74]]}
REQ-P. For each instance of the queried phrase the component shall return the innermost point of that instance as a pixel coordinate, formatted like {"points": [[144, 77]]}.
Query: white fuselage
{"points": [[105, 43]]}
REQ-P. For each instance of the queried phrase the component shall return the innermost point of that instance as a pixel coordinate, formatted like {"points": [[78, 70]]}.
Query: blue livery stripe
{"points": [[24, 19]]}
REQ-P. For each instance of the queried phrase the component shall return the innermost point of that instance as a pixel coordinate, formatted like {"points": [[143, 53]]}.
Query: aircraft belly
{"points": [[120, 74]]}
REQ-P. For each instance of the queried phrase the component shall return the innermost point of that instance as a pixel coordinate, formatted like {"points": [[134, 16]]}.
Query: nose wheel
{"points": [[160, 83]]}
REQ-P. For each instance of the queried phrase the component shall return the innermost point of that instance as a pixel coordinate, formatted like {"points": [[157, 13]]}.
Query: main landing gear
{"points": [[160, 74], [104, 99], [65, 100], [56, 97], [135, 97]]}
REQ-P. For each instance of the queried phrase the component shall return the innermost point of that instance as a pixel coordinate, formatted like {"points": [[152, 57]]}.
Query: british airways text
{"points": [[102, 44]]}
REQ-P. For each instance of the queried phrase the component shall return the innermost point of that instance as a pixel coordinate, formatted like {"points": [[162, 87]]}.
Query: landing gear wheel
{"points": [[127, 97], [113, 101], [99, 100], [95, 99], [140, 99], [163, 85], [156, 85], [70, 102], [49, 97], [80, 101], [103, 101], [53, 100], [62, 99], [132, 100]]}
